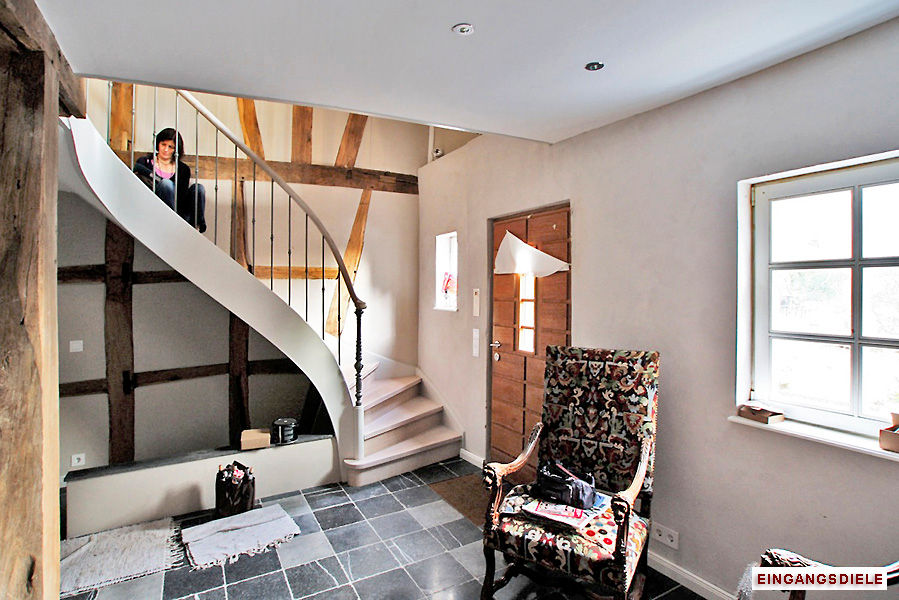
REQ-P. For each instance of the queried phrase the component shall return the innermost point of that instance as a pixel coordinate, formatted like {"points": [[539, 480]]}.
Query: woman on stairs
{"points": [[190, 199]]}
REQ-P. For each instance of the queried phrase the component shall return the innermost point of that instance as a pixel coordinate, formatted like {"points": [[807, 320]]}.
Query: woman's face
{"points": [[166, 150]]}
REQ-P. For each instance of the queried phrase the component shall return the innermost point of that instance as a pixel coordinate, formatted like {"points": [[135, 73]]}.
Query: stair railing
{"points": [[343, 279]]}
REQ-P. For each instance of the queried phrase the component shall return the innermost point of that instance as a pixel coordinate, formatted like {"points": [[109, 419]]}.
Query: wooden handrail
{"points": [[284, 186]]}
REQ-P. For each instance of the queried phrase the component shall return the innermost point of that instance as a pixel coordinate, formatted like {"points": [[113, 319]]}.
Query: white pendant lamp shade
{"points": [[515, 256]]}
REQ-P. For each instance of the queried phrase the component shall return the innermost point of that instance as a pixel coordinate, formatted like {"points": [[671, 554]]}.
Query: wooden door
{"points": [[516, 398]]}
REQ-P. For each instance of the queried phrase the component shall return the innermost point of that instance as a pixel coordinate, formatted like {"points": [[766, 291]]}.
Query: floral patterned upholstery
{"points": [[599, 407]]}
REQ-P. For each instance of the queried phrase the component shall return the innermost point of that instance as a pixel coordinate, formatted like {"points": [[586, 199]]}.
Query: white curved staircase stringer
{"points": [[106, 181]]}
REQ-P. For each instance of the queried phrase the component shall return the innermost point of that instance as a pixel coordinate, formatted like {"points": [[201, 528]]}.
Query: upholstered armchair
{"points": [[599, 416]]}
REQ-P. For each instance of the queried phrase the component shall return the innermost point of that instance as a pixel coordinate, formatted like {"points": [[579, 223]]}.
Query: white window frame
{"points": [[446, 260], [753, 320]]}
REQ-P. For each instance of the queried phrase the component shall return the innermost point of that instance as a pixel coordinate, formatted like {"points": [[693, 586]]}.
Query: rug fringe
{"points": [[175, 548]]}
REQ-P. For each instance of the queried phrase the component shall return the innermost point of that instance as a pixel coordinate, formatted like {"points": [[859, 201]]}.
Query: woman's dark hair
{"points": [[168, 135]]}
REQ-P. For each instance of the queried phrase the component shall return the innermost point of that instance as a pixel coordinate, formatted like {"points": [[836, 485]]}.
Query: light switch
{"points": [[475, 342], [76, 345], [475, 302]]}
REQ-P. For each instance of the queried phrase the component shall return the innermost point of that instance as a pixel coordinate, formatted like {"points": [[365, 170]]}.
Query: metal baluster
{"points": [[358, 364], [234, 212], [177, 153], [289, 249], [338, 316], [255, 264], [131, 141], [197, 172], [153, 162], [306, 241], [323, 286], [108, 112], [271, 243], [215, 234]]}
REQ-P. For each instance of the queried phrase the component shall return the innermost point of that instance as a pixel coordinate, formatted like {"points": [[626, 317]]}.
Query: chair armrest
{"points": [[494, 473], [631, 493]]}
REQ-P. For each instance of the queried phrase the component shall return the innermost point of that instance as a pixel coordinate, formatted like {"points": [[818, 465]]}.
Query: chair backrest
{"points": [[598, 406]]}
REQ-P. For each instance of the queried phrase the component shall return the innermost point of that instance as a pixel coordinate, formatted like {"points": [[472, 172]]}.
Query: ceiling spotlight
{"points": [[594, 66], [463, 28]]}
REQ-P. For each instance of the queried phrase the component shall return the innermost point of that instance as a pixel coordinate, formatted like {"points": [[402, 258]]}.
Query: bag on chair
{"points": [[557, 484], [235, 490]]}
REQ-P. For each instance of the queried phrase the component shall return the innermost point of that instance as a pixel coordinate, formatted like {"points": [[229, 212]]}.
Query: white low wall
{"points": [[96, 503]]}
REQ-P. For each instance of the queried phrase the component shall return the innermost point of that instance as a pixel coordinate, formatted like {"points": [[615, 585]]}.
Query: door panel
{"points": [[516, 401]]}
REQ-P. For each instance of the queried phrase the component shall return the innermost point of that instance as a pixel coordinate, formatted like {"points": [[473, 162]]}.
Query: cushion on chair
{"points": [[586, 554]]}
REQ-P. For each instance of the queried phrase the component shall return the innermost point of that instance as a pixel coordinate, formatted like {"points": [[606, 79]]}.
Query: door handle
{"points": [[495, 344]]}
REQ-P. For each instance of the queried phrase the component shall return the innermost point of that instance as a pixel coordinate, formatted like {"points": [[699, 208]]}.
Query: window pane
{"points": [[526, 340], [526, 290], [526, 314], [880, 302], [880, 213], [812, 301], [816, 227], [810, 374], [880, 382]]}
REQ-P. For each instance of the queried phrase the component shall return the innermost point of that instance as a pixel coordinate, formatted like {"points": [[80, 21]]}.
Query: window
{"points": [[526, 312], [825, 319], [446, 268]]}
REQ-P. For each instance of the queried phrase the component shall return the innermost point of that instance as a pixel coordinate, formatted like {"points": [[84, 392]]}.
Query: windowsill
{"points": [[447, 308], [823, 435]]}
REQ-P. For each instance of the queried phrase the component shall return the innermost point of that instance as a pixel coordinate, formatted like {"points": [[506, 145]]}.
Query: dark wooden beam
{"points": [[361, 179], [23, 22], [29, 415], [301, 135], [158, 277], [119, 343], [83, 388], [281, 272], [179, 374], [275, 366], [351, 140], [238, 382], [239, 226], [249, 124], [81, 274], [121, 103]]}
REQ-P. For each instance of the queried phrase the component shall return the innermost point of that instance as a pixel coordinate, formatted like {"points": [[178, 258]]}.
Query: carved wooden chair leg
{"points": [[489, 572], [797, 595], [636, 591]]}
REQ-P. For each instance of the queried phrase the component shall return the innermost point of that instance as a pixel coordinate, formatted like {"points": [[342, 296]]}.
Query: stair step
{"points": [[349, 374], [380, 390], [422, 442], [412, 410]]}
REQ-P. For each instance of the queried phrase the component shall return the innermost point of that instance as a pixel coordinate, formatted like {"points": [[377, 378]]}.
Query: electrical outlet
{"points": [[665, 535], [78, 460]]}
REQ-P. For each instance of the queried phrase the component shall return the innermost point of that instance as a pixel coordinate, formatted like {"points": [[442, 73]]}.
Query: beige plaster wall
{"points": [[653, 212]]}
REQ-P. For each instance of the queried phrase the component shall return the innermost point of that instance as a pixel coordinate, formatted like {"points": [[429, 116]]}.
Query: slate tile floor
{"points": [[392, 540]]}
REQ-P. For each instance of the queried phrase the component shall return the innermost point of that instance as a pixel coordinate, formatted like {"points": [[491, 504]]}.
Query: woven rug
{"points": [[224, 540], [116, 555]]}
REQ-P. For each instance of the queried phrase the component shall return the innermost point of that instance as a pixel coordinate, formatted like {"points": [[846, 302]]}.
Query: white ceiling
{"points": [[521, 73]]}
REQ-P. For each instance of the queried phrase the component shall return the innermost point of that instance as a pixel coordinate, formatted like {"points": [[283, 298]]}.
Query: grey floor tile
{"points": [[322, 489], [88, 595], [325, 500], [271, 587], [303, 549], [434, 513], [471, 556], [332, 565], [216, 594], [462, 467], [434, 473], [345, 592], [182, 582], [365, 491], [470, 590], [309, 579], [295, 505], [367, 561], [681, 593], [400, 482], [657, 583], [464, 531], [445, 537], [273, 498], [438, 573], [148, 586], [307, 523], [415, 496], [352, 536], [416, 546], [393, 585], [379, 506], [337, 516], [252, 566], [390, 526]]}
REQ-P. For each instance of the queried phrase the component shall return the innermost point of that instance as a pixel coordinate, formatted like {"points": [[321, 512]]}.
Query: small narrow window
{"points": [[526, 312], [446, 268]]}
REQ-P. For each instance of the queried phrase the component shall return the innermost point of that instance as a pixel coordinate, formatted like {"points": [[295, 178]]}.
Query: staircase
{"points": [[403, 430], [399, 428]]}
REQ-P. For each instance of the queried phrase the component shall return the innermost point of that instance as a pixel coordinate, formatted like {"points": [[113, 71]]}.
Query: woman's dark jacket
{"points": [[184, 201]]}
